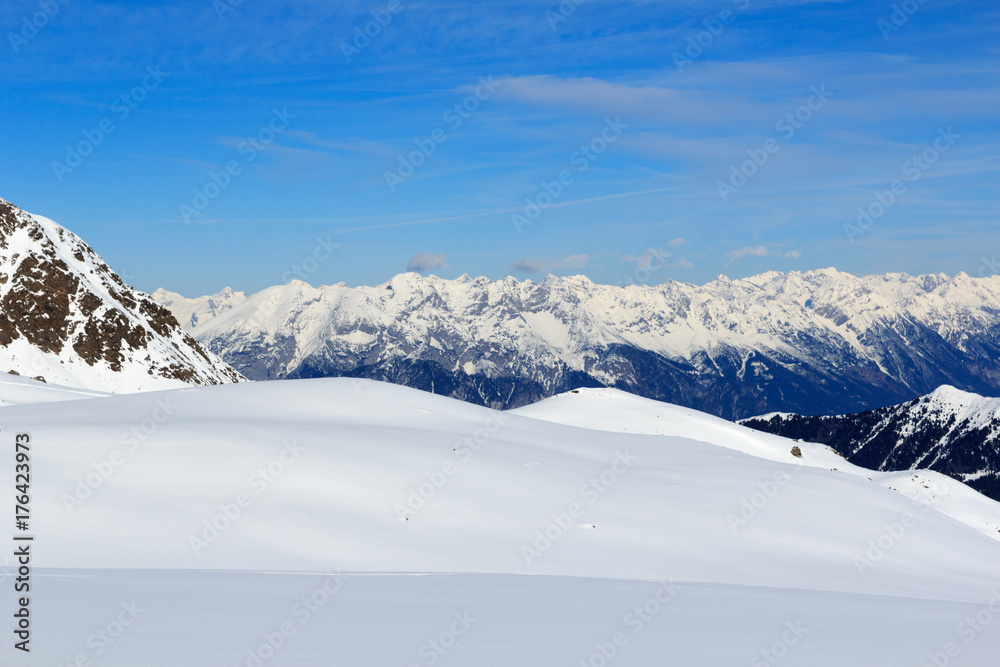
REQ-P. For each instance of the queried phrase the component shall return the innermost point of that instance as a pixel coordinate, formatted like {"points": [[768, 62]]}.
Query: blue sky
{"points": [[247, 144]]}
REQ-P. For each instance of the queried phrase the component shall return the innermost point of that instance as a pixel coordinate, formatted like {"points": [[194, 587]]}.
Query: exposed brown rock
{"points": [[38, 303], [53, 306]]}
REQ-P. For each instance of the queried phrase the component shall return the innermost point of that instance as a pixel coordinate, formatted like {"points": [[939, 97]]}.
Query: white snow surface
{"points": [[634, 496], [18, 390], [607, 409]]}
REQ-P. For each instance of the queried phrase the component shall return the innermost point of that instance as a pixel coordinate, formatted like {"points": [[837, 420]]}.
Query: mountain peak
{"points": [[946, 391], [67, 317], [966, 405]]}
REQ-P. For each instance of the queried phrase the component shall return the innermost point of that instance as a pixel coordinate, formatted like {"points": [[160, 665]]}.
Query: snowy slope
{"points": [[617, 411], [954, 432], [805, 342], [191, 618], [67, 317], [18, 390], [237, 501]]}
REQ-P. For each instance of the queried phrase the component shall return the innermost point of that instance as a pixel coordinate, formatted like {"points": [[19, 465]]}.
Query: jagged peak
{"points": [[759, 280], [411, 278]]}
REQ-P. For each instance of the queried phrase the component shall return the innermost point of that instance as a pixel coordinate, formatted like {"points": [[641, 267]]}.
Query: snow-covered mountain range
{"points": [[815, 342], [65, 316], [951, 431]]}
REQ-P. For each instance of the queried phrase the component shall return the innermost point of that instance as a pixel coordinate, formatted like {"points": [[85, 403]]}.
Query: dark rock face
{"points": [[947, 431], [60, 297]]}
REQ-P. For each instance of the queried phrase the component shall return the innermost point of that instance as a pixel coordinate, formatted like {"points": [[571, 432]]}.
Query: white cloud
{"points": [[528, 266], [426, 261]]}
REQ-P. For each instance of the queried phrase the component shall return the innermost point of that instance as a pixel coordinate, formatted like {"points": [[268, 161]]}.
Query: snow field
{"points": [[568, 543]]}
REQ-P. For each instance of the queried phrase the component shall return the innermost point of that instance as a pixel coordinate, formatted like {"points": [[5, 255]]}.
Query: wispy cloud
{"points": [[645, 260], [536, 266], [660, 103], [557, 86], [760, 250]]}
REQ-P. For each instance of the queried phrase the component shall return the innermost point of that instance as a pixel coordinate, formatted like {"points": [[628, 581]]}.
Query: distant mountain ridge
{"points": [[950, 431], [818, 342], [66, 317]]}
